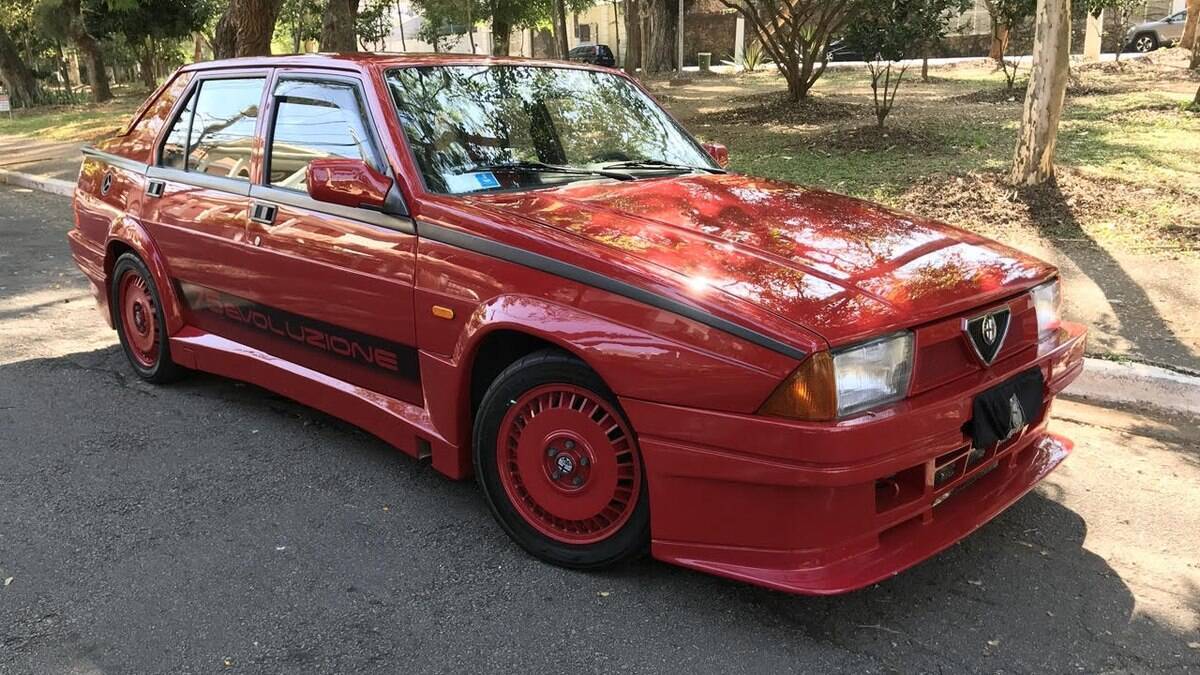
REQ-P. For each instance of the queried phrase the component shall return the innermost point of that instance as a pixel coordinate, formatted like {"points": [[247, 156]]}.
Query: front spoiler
{"points": [[807, 508]]}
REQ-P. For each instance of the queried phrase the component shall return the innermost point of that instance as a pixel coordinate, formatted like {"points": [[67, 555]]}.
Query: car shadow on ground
{"points": [[1021, 594]]}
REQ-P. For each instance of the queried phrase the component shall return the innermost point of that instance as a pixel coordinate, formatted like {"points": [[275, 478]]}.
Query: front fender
{"points": [[126, 233], [664, 365]]}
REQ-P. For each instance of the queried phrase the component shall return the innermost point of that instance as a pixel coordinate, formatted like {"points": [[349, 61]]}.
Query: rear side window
{"points": [[316, 119], [214, 132]]}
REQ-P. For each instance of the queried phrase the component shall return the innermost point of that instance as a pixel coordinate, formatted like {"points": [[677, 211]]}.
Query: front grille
{"points": [[942, 352]]}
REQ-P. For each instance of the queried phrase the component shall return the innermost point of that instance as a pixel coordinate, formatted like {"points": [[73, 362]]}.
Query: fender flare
{"points": [[127, 232], [607, 346]]}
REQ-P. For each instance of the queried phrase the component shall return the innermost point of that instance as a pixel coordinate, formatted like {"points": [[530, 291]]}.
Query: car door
{"points": [[336, 281], [197, 192], [1173, 27]]}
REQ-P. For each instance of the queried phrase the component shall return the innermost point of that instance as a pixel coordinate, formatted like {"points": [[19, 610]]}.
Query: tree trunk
{"points": [[925, 67], [560, 28], [616, 31], [1189, 29], [1196, 101], [337, 26], [999, 42], [18, 78], [659, 34], [146, 63], [501, 36], [1033, 162], [89, 49], [246, 28], [403, 40], [633, 35]]}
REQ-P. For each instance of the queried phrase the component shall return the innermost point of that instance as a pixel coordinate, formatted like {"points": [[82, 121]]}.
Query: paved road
{"points": [[213, 527]]}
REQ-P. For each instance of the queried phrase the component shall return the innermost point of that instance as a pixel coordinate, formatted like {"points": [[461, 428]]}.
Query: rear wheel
{"points": [[1145, 42], [559, 464], [137, 316]]}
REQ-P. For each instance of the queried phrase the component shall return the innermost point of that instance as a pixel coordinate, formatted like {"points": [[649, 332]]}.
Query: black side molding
{"points": [[543, 263]]}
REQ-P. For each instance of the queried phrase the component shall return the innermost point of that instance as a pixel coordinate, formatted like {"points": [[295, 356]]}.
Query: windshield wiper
{"points": [[658, 164], [542, 167]]}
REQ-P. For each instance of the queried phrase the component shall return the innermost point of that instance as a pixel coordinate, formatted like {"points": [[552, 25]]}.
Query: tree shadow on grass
{"points": [[1140, 321]]}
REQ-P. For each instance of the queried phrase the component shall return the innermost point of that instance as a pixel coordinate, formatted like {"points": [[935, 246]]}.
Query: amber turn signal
{"points": [[809, 393], [443, 312]]}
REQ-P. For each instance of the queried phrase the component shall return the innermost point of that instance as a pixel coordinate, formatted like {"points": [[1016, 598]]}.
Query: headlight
{"points": [[872, 373], [1047, 301], [836, 384]]}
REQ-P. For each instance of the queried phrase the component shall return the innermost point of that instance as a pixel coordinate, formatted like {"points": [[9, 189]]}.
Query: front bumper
{"points": [[823, 508]]}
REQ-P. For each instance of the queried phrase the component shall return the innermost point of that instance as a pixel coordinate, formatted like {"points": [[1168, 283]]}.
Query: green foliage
{"points": [[299, 20], [892, 30], [1011, 13], [374, 22], [753, 57]]}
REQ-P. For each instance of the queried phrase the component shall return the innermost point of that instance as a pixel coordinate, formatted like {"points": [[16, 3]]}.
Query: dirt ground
{"points": [[1122, 220]]}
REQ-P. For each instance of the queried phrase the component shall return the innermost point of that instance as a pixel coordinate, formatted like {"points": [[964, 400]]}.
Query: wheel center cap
{"points": [[565, 463], [139, 318]]}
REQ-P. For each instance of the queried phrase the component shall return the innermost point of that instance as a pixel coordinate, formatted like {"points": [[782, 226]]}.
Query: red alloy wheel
{"points": [[139, 319], [569, 464]]}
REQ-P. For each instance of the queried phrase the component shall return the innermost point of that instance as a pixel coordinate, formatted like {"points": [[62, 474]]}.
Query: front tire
{"points": [[138, 318], [1145, 42], [559, 464]]}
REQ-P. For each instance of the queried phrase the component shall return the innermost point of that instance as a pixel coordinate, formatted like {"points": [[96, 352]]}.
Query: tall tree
{"points": [[633, 35], [796, 33], [18, 79], [1033, 162], [246, 28], [338, 28], [66, 17], [658, 34], [1006, 16], [560, 28], [1189, 29]]}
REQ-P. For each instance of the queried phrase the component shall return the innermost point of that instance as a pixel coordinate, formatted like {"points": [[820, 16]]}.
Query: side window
{"points": [[316, 119], [175, 148], [214, 132], [223, 127]]}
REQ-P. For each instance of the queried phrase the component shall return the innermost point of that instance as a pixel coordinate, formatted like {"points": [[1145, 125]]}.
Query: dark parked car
{"points": [[840, 50], [599, 55]]}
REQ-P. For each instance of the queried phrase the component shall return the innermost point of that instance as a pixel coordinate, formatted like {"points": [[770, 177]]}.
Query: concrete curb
{"points": [[1127, 383], [1102, 381], [55, 186]]}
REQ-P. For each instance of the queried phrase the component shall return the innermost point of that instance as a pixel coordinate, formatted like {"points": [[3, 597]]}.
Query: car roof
{"points": [[378, 60]]}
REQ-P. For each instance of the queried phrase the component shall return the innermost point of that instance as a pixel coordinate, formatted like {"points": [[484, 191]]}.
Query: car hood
{"points": [[843, 268]]}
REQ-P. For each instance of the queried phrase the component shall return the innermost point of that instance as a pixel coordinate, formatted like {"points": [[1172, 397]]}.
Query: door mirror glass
{"points": [[718, 152], [348, 182]]}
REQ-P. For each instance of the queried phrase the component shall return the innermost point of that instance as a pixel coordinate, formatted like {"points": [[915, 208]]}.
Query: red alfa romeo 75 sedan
{"points": [[529, 273]]}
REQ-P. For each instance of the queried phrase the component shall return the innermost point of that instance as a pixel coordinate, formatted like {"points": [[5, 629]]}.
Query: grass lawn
{"points": [[84, 122], [1128, 156]]}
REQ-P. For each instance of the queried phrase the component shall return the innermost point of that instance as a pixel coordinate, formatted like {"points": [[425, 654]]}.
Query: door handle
{"points": [[262, 213], [155, 188]]}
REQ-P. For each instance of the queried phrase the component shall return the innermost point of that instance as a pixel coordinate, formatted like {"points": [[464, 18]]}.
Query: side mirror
{"points": [[348, 182], [718, 152]]}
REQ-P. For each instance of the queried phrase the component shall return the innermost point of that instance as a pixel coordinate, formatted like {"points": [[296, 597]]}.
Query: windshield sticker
{"points": [[470, 182]]}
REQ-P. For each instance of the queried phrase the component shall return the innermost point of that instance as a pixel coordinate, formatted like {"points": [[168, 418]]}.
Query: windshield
{"points": [[478, 128]]}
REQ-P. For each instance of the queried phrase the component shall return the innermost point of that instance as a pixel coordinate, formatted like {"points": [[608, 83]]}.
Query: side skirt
{"points": [[404, 425]]}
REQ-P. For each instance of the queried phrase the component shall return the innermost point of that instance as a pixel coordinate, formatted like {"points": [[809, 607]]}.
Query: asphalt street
{"points": [[210, 526]]}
